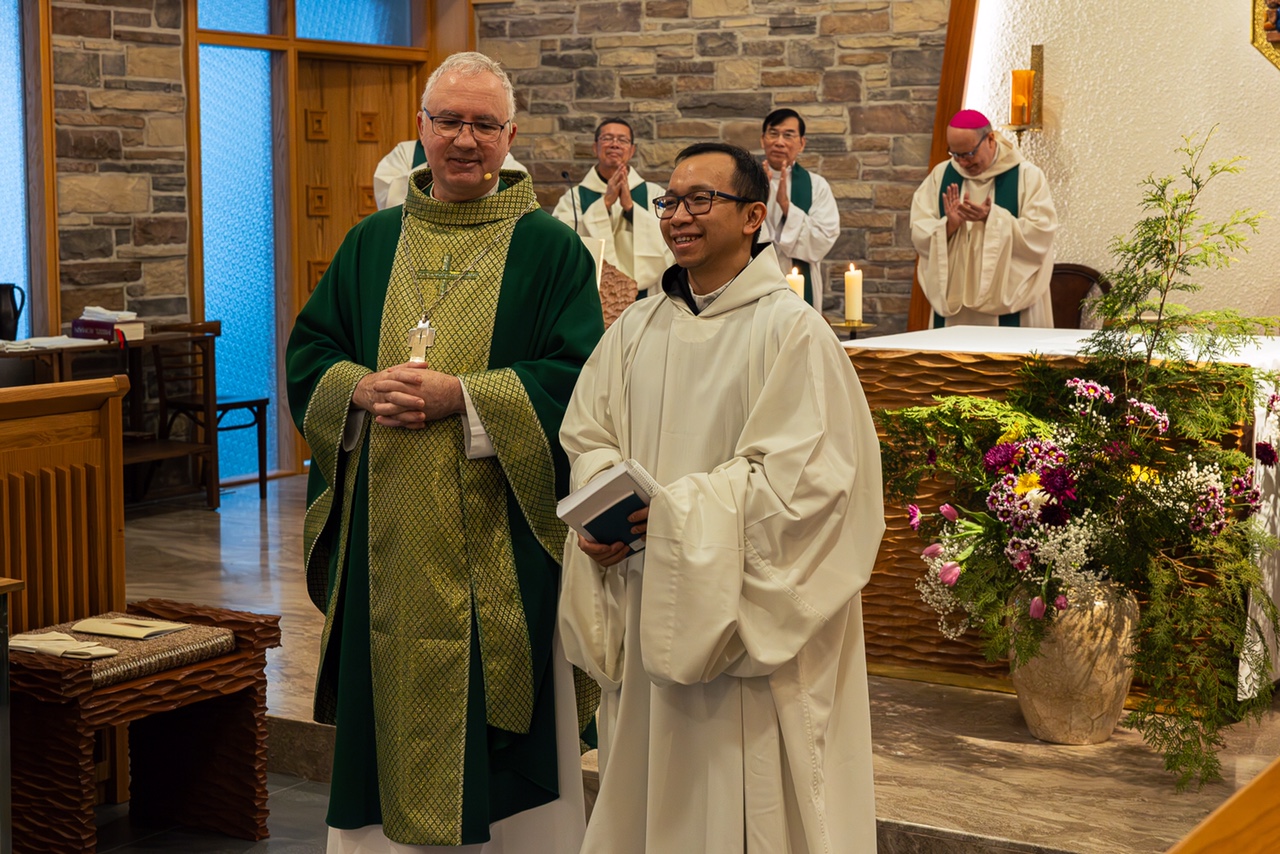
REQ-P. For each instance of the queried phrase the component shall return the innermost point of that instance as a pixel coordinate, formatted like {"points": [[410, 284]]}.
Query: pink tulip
{"points": [[949, 574], [1037, 608], [931, 551], [1060, 603], [948, 512]]}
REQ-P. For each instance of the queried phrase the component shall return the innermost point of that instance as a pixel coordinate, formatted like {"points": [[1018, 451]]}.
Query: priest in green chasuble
{"points": [[734, 715], [429, 373]]}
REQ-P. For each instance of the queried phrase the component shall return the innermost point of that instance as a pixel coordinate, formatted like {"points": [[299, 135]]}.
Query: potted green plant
{"points": [[1124, 486]]}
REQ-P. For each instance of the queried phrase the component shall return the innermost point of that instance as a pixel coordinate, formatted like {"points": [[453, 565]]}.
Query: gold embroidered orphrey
{"points": [[1266, 29], [438, 527]]}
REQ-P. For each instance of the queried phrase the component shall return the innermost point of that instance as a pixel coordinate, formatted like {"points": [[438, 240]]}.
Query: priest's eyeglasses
{"points": [[773, 133], [451, 128], [696, 203]]}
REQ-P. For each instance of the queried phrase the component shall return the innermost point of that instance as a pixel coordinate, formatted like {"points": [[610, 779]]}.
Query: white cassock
{"points": [[804, 236], [636, 247], [735, 714], [391, 177], [993, 268]]}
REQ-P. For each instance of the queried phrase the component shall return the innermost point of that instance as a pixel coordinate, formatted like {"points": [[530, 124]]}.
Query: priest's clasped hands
{"points": [[409, 395], [607, 554], [961, 209], [783, 196], [618, 189]]}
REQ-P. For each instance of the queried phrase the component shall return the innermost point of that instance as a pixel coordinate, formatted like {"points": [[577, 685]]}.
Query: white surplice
{"points": [[993, 268], [806, 235], [636, 247], [735, 714]]}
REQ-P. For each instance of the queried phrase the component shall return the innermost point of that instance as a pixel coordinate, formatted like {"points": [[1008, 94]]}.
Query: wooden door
{"points": [[351, 115]]}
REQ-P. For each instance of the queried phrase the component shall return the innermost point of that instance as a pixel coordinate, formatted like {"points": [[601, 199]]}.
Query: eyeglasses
{"points": [[773, 134], [968, 155], [608, 138], [696, 203], [451, 128]]}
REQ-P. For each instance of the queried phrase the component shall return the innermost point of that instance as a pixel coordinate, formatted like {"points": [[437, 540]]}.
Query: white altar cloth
{"points": [[1263, 353]]}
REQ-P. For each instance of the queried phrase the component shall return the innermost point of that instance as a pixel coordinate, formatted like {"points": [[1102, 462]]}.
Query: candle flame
{"points": [[795, 271], [851, 267]]}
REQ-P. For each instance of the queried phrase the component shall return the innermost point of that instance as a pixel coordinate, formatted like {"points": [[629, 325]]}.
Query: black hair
{"points": [[616, 121], [749, 180], [777, 117]]}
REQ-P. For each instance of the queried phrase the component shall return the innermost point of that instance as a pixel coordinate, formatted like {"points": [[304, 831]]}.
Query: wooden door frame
{"points": [[442, 26], [955, 78]]}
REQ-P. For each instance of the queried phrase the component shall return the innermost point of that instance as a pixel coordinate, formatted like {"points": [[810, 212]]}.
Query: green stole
{"points": [[802, 197], [419, 155], [442, 573], [1006, 196], [587, 197]]}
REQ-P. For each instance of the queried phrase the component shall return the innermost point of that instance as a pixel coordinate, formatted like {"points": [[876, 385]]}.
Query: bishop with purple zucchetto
{"points": [[983, 223]]}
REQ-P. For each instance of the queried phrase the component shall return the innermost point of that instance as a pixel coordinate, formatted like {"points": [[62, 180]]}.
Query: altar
{"points": [[909, 369]]}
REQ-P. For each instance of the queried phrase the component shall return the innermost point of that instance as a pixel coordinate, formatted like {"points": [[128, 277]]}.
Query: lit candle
{"points": [[853, 295], [796, 281], [1021, 87]]}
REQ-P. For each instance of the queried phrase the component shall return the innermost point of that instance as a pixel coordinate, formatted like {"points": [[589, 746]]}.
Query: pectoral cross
{"points": [[446, 273], [421, 337]]}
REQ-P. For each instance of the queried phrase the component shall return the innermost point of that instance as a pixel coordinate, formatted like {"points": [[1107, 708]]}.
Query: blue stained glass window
{"points": [[13, 172], [239, 238], [236, 16], [363, 21]]}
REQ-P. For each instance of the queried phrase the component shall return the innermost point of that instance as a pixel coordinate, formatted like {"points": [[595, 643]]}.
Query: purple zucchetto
{"points": [[969, 120]]}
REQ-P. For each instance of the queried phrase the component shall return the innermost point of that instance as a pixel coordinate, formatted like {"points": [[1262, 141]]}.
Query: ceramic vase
{"points": [[1073, 692]]}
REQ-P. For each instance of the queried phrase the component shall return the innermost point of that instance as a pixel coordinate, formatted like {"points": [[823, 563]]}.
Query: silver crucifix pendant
{"points": [[421, 337]]}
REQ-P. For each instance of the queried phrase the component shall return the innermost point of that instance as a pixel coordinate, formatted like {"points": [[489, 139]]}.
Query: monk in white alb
{"points": [[983, 223], [803, 221], [612, 204], [734, 715]]}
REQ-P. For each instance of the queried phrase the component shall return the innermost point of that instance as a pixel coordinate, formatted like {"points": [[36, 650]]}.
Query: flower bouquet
{"points": [[1130, 477]]}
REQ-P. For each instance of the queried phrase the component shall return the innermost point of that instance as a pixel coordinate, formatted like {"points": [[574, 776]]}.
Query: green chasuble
{"points": [[438, 574]]}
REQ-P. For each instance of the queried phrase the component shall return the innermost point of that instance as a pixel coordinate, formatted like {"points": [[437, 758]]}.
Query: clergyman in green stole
{"points": [[437, 573]]}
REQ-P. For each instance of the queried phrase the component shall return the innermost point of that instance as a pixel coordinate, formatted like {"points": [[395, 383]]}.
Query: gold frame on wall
{"points": [[1270, 48]]}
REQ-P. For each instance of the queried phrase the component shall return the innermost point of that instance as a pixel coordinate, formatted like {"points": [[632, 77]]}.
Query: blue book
{"points": [[599, 510]]}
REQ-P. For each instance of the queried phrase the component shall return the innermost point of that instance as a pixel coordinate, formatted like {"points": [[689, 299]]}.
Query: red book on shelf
{"points": [[107, 330]]}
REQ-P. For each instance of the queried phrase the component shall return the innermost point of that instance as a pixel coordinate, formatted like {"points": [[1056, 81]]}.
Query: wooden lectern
{"points": [[61, 505]]}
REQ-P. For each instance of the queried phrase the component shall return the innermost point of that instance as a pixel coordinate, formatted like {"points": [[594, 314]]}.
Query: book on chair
{"points": [[599, 510], [127, 627]]}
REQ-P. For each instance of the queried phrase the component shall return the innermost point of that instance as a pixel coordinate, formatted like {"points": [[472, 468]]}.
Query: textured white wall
{"points": [[1123, 82]]}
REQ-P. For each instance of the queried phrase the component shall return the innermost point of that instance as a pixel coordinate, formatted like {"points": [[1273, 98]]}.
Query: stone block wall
{"points": [[863, 74], [119, 118]]}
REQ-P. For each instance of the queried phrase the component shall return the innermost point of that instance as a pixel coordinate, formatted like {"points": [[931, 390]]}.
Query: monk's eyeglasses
{"points": [[696, 203], [451, 128]]}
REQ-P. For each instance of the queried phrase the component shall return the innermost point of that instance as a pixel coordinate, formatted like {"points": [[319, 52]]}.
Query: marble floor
{"points": [[956, 770]]}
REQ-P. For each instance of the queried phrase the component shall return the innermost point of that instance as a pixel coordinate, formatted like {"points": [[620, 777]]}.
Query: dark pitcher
{"points": [[10, 311]]}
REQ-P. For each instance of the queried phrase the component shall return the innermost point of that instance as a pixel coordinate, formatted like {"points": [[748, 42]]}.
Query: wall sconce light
{"points": [[1026, 95]]}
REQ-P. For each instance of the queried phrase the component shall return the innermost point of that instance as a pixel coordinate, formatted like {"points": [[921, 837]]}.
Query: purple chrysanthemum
{"points": [[913, 517], [1001, 458], [1265, 453], [1054, 515], [1059, 482]]}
